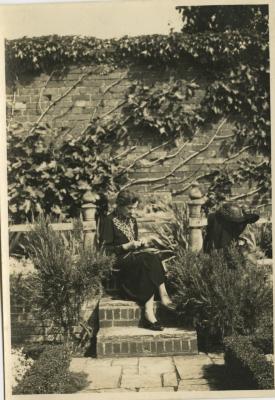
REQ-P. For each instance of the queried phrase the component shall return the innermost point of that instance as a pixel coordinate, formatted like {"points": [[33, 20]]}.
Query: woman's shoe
{"points": [[154, 326], [170, 306]]}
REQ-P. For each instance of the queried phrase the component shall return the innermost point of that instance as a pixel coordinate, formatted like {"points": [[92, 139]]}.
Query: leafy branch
{"points": [[178, 166]]}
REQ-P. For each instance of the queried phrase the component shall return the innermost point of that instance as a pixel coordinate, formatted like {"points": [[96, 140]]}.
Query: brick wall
{"points": [[27, 327], [74, 111]]}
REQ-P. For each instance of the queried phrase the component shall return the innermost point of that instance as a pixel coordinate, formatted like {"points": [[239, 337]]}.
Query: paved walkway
{"points": [[202, 372]]}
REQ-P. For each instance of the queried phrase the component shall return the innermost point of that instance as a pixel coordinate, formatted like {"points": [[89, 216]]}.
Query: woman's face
{"points": [[128, 211]]}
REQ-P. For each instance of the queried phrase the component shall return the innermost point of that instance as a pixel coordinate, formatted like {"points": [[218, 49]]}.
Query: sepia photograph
{"points": [[136, 217]]}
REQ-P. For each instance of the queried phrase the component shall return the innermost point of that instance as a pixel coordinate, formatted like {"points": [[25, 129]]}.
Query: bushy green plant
{"points": [[50, 374], [246, 364], [66, 273], [220, 291], [263, 337]]}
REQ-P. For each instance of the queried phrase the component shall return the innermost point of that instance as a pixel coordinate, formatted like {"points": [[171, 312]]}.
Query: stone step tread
{"points": [[136, 332], [113, 303]]}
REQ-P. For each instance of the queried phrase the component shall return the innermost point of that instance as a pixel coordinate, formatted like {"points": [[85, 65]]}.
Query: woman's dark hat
{"points": [[235, 214]]}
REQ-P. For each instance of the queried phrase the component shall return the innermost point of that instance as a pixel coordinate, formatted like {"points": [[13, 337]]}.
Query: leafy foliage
{"points": [[50, 374], [50, 178], [235, 38], [233, 52], [50, 175], [220, 291], [162, 108], [66, 274], [174, 234]]}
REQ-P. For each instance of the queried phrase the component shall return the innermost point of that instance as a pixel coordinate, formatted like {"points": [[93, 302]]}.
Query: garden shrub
{"points": [[247, 365], [174, 234], [263, 337], [220, 292], [65, 275], [50, 374]]}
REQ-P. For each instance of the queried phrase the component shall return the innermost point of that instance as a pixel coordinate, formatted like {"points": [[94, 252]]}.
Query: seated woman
{"points": [[141, 272]]}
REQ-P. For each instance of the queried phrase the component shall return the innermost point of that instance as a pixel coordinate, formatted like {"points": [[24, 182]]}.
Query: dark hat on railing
{"points": [[235, 214]]}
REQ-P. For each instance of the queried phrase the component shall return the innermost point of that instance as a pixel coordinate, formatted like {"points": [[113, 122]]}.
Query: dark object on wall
{"points": [[226, 225]]}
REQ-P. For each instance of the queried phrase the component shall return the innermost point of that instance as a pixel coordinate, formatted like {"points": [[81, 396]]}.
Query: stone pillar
{"points": [[89, 218], [196, 221]]}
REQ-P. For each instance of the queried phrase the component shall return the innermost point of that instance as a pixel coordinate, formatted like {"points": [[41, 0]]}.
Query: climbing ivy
{"points": [[236, 38], [230, 44]]}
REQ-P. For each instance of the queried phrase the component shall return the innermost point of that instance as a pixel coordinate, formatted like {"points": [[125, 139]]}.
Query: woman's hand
{"points": [[133, 245]]}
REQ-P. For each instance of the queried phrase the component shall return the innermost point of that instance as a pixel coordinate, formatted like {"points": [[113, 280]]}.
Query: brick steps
{"points": [[114, 312], [121, 333], [135, 341]]}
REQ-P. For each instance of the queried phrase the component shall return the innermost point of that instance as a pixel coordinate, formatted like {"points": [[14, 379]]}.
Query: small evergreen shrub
{"points": [[50, 374], [66, 274], [220, 291], [263, 337], [247, 365]]}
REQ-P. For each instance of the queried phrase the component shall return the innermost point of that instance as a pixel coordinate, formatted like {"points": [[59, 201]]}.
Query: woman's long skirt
{"points": [[140, 275]]}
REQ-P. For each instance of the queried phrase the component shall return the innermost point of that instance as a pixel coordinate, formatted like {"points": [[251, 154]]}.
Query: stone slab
{"points": [[78, 364], [133, 331], [132, 369], [140, 380], [103, 378], [116, 390], [98, 362], [130, 361], [194, 385], [191, 367], [159, 389], [170, 379], [160, 364]]}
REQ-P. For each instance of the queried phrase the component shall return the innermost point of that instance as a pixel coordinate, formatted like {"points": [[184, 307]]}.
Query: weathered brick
{"points": [[108, 348], [185, 345], [106, 324], [81, 97], [124, 323], [109, 314], [146, 347], [139, 348], [168, 346], [160, 347], [131, 313], [133, 348], [124, 347], [124, 313], [177, 346], [117, 348], [102, 314], [117, 313], [194, 345]]}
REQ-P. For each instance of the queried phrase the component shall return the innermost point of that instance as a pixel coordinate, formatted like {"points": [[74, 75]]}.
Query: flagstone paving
{"points": [[151, 374]]}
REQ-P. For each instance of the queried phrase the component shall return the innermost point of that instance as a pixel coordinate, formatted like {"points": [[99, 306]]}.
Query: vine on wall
{"points": [[236, 57]]}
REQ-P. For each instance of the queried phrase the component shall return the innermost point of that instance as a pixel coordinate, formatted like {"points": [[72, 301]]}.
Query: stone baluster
{"points": [[196, 220], [89, 209]]}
